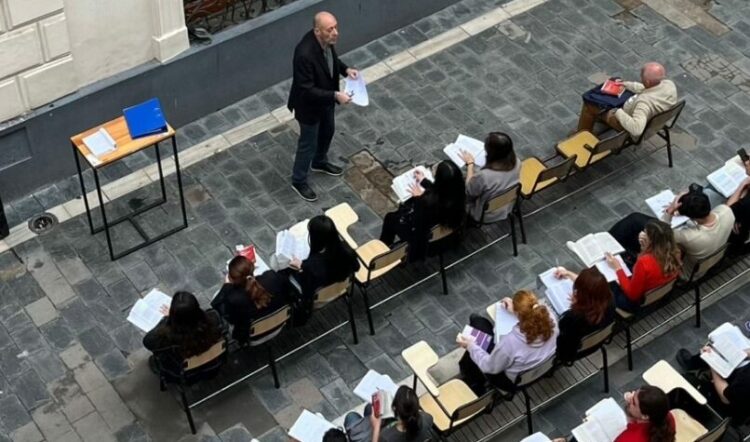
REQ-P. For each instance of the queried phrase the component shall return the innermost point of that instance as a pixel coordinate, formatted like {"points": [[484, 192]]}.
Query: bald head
{"points": [[652, 74], [325, 28]]}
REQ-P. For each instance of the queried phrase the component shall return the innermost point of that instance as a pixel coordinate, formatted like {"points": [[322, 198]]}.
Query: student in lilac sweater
{"points": [[532, 341]]}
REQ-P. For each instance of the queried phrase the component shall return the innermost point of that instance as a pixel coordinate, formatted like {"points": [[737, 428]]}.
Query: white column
{"points": [[170, 34]]}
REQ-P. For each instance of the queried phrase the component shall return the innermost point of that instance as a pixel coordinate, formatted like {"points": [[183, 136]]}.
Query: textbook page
{"points": [[309, 427], [504, 320], [470, 145], [558, 291], [289, 245], [536, 437], [661, 201], [592, 247], [372, 382], [604, 422], [402, 182], [609, 272], [357, 89], [728, 345], [146, 312], [728, 178], [733, 332]]}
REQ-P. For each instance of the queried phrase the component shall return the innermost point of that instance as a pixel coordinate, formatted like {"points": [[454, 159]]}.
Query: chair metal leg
{"points": [[629, 347], [367, 310], [513, 234], [668, 139], [527, 400], [697, 304], [272, 363], [605, 369], [442, 273], [186, 407], [520, 223], [348, 300], [414, 383]]}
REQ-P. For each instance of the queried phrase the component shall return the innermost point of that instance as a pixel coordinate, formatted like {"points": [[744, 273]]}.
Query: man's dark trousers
{"points": [[312, 147]]}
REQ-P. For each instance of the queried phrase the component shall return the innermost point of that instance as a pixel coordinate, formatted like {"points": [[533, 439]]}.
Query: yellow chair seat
{"points": [[453, 394], [623, 314], [530, 170], [367, 252], [576, 145], [343, 216], [687, 429]]}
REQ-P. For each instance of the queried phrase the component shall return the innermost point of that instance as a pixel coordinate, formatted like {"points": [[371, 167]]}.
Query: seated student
{"points": [[185, 331], [708, 231], [657, 263], [591, 309], [654, 94], [331, 260], [440, 203], [245, 298], [500, 172], [730, 396], [530, 342], [739, 202], [411, 424]]}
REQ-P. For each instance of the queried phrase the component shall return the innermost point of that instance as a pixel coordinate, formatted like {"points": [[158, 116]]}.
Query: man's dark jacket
{"points": [[313, 86]]}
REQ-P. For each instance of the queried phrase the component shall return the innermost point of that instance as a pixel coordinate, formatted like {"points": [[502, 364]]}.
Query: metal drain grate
{"points": [[42, 223]]}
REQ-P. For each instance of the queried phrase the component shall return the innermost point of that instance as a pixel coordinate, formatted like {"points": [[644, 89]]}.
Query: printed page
{"points": [[733, 332], [718, 363], [474, 147], [728, 178], [610, 417], [661, 201], [144, 316], [372, 382], [587, 249], [590, 431], [504, 320], [607, 243], [609, 272], [100, 142], [536, 437], [309, 427], [478, 337], [357, 89], [733, 354], [453, 152], [558, 291]]}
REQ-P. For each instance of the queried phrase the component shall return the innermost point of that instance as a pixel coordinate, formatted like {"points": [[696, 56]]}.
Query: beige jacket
{"points": [[634, 115]]}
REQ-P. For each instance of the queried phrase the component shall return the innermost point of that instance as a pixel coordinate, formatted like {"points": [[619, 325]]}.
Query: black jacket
{"points": [[573, 328], [313, 86]]}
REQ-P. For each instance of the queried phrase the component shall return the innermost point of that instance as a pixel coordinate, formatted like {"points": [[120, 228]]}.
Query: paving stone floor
{"points": [[73, 369]]}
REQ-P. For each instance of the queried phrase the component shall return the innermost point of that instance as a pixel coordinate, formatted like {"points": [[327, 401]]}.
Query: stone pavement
{"points": [[74, 369]]}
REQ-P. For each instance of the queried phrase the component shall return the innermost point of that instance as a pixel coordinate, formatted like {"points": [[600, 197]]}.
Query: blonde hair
{"points": [[533, 317]]}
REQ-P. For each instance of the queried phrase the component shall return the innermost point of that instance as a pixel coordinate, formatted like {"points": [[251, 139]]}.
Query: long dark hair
{"points": [[500, 154], [654, 403], [189, 326], [406, 408], [593, 295], [450, 191], [241, 272], [325, 237]]}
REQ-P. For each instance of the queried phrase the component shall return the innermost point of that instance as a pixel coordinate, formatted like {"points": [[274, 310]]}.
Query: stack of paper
{"points": [[504, 320], [661, 201], [594, 246], [728, 346], [100, 142], [558, 290], [467, 144], [146, 312], [728, 178], [309, 427], [603, 423], [357, 89], [402, 183]]}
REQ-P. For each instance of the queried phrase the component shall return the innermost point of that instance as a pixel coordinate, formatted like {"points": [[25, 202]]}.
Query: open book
{"points": [[309, 427], [603, 422], [478, 337], [504, 320], [659, 202], [467, 144], [100, 142], [558, 290], [609, 272], [403, 182], [372, 382], [289, 245], [728, 178], [728, 346], [146, 312], [592, 247], [613, 88]]}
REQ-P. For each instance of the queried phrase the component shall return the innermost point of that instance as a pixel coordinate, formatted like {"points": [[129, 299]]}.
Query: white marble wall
{"points": [[50, 48]]}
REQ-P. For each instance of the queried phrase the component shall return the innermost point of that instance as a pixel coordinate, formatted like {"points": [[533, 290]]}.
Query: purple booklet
{"points": [[480, 338]]}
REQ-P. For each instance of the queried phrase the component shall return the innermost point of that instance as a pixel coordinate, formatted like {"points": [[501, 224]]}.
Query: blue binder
{"points": [[145, 119]]}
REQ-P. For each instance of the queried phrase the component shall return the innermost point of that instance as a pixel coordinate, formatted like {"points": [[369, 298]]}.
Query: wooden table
{"points": [[126, 146]]}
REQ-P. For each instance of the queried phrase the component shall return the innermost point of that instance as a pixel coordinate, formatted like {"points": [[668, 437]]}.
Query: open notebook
{"points": [[603, 422], [728, 177], [290, 245], [728, 346]]}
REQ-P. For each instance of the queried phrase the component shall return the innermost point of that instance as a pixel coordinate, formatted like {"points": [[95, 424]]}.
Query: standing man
{"points": [[315, 91]]}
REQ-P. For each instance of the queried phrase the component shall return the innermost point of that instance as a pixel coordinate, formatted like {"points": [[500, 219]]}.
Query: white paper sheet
{"points": [[609, 272], [558, 291], [536, 437], [372, 382], [604, 422], [504, 320], [146, 312], [728, 178], [402, 182], [100, 142], [468, 144], [660, 201], [357, 89], [592, 247], [309, 427]]}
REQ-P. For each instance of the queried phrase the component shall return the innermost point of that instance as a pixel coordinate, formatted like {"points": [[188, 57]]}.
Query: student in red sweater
{"points": [[649, 419], [656, 264]]}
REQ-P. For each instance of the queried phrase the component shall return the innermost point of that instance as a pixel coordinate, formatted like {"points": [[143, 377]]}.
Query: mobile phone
{"points": [[743, 154], [376, 404]]}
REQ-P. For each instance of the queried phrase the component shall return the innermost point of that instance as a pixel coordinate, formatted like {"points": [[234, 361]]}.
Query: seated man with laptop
{"points": [[652, 95]]}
